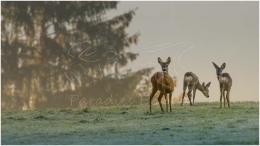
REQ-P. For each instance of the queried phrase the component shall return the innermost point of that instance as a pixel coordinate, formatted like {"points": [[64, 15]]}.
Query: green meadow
{"points": [[203, 123]]}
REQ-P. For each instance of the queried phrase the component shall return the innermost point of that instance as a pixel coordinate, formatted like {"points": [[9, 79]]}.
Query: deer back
{"points": [[191, 78]]}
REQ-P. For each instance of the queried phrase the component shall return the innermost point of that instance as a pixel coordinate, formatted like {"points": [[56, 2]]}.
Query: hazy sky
{"points": [[220, 32]]}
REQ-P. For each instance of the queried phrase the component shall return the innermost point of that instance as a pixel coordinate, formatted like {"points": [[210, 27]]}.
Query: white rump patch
{"points": [[188, 78]]}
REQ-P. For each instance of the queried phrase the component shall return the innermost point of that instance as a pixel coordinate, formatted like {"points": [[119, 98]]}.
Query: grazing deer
{"points": [[164, 83], [225, 83], [192, 82]]}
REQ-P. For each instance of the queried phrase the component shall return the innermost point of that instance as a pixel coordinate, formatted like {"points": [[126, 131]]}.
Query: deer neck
{"points": [[200, 87], [166, 77]]}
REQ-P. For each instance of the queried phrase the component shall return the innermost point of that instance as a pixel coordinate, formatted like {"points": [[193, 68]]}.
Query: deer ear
{"points": [[159, 60], [223, 66], [203, 84], [215, 65], [208, 85], [168, 61]]}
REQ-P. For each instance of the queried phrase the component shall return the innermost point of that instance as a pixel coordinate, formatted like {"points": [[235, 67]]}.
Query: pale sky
{"points": [[220, 31]]}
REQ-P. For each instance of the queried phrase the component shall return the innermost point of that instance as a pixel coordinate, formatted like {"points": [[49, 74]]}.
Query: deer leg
{"points": [[224, 98], [182, 97], [151, 98], [166, 100], [190, 87], [159, 100], [228, 98], [189, 96], [170, 98], [221, 97], [194, 92], [184, 89], [220, 106]]}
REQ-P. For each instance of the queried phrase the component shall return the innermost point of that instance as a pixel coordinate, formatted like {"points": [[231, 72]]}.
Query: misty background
{"points": [[53, 51], [221, 32]]}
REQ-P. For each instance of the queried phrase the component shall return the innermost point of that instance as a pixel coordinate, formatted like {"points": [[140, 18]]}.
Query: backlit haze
{"points": [[194, 35]]}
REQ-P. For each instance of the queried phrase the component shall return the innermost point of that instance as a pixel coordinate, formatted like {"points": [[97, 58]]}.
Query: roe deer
{"points": [[192, 82], [164, 83], [225, 83]]}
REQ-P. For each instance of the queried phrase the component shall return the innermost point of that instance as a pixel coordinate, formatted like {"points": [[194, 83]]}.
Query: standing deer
{"points": [[164, 83], [192, 82], [225, 83]]}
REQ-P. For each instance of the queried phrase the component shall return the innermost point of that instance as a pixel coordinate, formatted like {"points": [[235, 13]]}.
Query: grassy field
{"points": [[203, 123]]}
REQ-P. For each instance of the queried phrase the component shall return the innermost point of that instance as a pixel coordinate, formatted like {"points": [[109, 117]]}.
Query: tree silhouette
{"points": [[51, 50]]}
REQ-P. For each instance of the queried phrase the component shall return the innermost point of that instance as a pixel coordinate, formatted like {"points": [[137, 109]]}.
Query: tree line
{"points": [[52, 50]]}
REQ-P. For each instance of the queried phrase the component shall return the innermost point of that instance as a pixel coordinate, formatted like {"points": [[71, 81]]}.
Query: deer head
{"points": [[219, 69], [205, 89], [164, 65]]}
